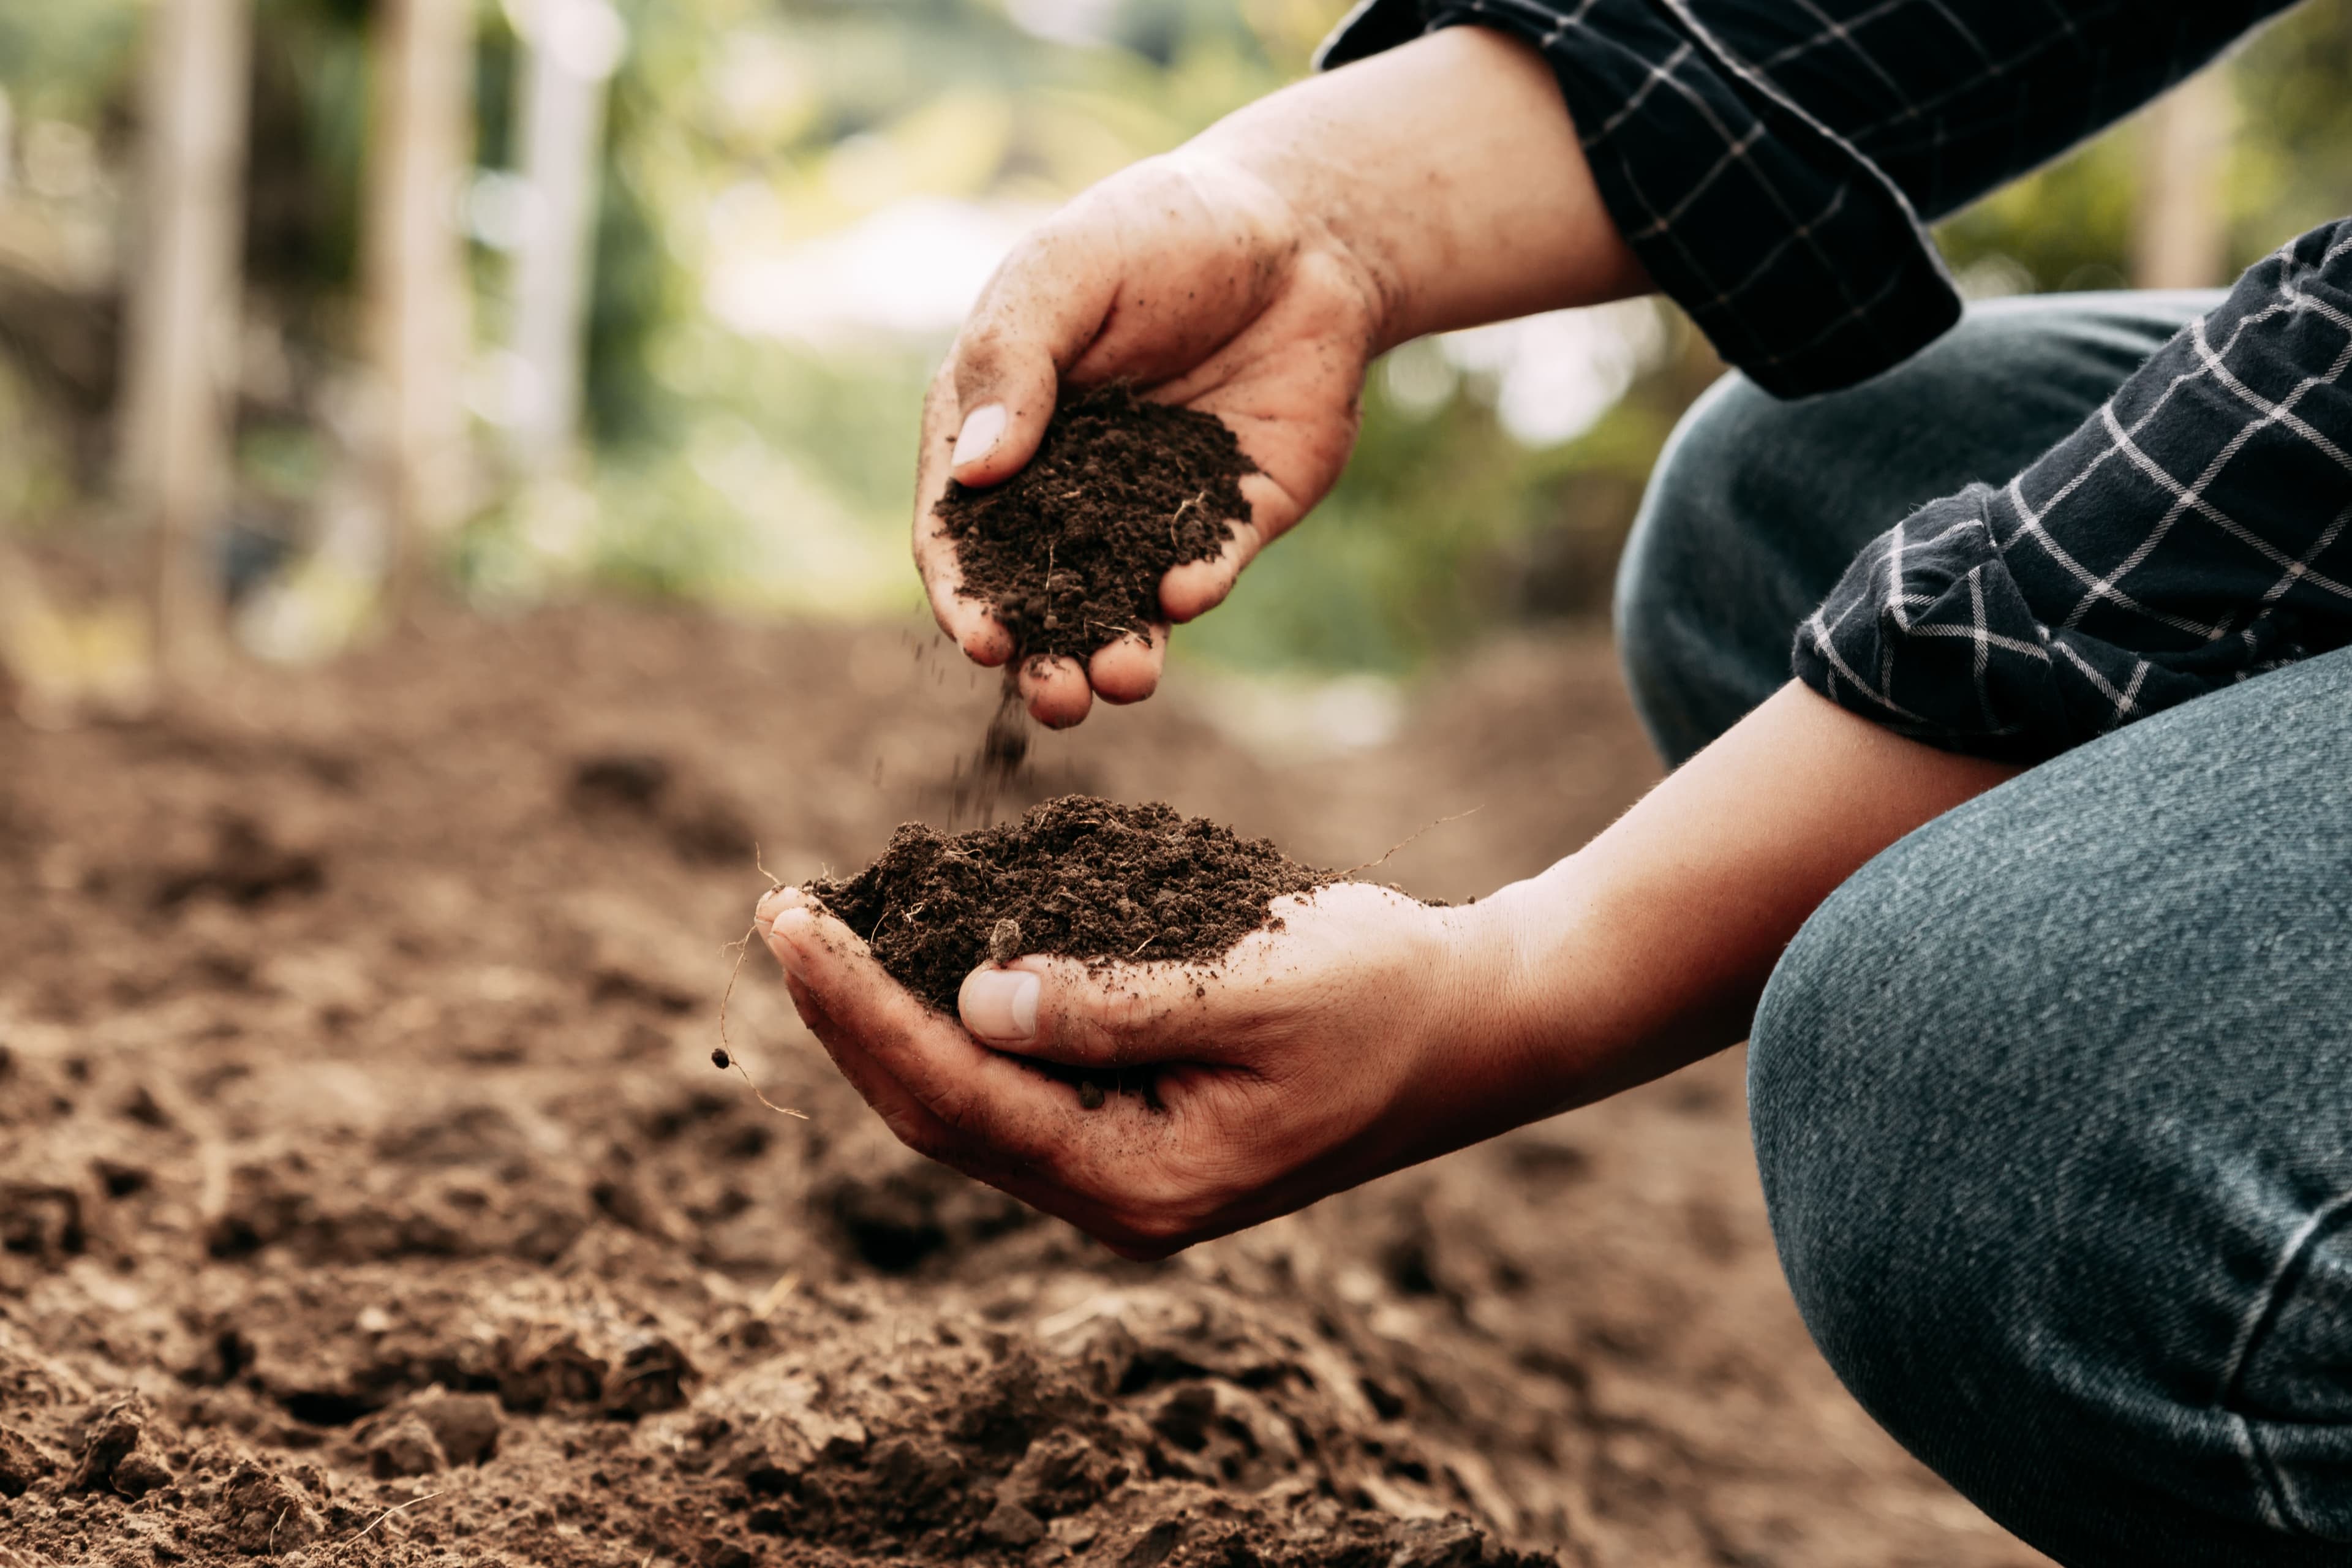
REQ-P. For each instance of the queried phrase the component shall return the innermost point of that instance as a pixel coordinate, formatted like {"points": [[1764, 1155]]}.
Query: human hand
{"points": [[1253, 274], [1196, 281], [1368, 1032]]}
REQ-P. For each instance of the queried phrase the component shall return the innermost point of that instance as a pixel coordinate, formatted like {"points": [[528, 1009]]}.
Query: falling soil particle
{"points": [[1075, 878], [1069, 551], [980, 783]]}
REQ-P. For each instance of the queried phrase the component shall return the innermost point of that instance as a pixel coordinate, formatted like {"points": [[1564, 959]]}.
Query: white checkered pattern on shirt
{"points": [[1771, 161], [2191, 533]]}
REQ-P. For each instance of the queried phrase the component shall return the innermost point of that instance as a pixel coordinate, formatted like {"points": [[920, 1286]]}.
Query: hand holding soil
{"points": [[1253, 274], [1158, 1104], [1196, 282]]}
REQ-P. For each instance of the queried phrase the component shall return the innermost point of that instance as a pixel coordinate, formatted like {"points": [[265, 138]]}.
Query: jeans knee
{"points": [[1838, 1147], [2013, 1220]]}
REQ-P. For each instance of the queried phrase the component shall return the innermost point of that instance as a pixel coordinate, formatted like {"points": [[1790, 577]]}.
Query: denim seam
{"points": [[2271, 1485]]}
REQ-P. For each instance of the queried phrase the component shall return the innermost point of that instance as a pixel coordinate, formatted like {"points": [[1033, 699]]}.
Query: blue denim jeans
{"points": [[2052, 1099]]}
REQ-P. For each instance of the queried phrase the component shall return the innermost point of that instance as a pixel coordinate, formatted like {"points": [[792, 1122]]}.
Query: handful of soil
{"points": [[1069, 551], [1076, 876]]}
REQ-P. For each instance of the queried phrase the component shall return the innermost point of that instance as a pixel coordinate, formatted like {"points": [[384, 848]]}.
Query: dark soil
{"points": [[1069, 551], [1075, 878], [367, 1156]]}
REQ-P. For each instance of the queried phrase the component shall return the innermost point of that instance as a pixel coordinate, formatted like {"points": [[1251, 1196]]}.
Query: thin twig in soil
{"points": [[1145, 942], [1408, 838], [387, 1513]]}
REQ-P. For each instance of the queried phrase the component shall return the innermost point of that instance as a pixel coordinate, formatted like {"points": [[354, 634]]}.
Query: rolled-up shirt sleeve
{"points": [[2193, 533], [1773, 164]]}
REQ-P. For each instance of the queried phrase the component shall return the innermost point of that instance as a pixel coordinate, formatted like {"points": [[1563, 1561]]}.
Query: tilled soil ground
{"points": [[367, 1193]]}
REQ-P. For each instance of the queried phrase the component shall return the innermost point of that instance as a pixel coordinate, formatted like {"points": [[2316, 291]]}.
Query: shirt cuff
{"points": [[1801, 260]]}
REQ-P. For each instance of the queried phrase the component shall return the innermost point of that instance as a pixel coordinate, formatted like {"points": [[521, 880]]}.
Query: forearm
{"points": [[1650, 947], [1449, 168]]}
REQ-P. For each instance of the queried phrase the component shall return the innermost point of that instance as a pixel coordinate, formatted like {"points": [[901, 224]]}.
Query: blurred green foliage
{"points": [[2290, 168], [767, 473]]}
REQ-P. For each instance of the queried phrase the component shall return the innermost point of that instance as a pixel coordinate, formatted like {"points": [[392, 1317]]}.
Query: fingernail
{"points": [[999, 1004], [981, 426], [792, 926]]}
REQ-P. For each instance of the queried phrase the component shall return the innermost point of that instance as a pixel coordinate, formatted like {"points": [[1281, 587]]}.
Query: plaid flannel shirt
{"points": [[1772, 163]]}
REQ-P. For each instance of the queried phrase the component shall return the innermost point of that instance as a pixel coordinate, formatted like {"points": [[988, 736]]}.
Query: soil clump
{"points": [[1069, 551], [1075, 878]]}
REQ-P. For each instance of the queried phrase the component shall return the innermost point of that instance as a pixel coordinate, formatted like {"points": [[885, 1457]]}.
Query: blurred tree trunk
{"points": [[419, 304], [575, 47], [180, 370], [2181, 231]]}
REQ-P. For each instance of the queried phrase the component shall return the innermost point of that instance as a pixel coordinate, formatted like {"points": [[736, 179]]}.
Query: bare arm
{"points": [[1372, 1032], [1253, 273]]}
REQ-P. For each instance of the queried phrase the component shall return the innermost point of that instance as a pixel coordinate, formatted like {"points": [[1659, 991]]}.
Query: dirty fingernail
{"points": [[981, 426], [999, 1004], [792, 926]]}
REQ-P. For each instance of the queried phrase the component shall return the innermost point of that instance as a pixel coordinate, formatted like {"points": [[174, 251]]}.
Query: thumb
{"points": [[1083, 1015], [1007, 391], [1038, 314]]}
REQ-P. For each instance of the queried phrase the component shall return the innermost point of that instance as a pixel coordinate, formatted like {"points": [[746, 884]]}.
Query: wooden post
{"points": [[419, 303], [180, 370], [2180, 232], [575, 47]]}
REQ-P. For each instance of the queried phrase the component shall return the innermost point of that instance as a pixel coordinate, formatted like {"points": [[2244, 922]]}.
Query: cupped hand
{"points": [[1191, 278], [1370, 1031]]}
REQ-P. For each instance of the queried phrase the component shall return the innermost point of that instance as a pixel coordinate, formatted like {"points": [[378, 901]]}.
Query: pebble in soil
{"points": [[1068, 553], [1077, 877]]}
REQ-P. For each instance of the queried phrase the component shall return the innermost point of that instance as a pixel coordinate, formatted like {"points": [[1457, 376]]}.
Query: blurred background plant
{"points": [[537, 298]]}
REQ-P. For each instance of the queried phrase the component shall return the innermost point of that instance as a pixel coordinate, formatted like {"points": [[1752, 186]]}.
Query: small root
{"points": [[1201, 499], [387, 1513], [723, 1056], [1407, 840]]}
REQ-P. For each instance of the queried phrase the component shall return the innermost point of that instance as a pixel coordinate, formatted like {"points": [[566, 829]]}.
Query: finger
{"points": [[1035, 317], [917, 1126], [980, 1104], [908, 1119], [1128, 670], [967, 620], [1197, 587], [1055, 690], [1078, 1013]]}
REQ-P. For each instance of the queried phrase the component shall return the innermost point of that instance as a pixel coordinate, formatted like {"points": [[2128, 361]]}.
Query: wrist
{"points": [[1485, 1055], [1449, 171]]}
